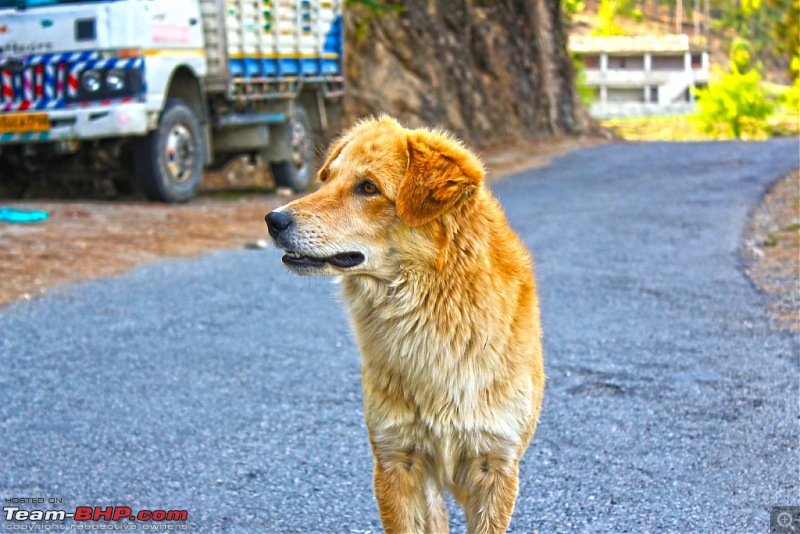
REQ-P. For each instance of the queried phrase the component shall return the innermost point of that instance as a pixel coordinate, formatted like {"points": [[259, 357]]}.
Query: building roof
{"points": [[629, 43]]}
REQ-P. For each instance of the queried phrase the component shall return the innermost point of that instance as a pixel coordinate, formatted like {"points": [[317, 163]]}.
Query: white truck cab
{"points": [[154, 90]]}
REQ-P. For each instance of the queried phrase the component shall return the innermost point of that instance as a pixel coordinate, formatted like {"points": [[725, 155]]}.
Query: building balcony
{"points": [[641, 78]]}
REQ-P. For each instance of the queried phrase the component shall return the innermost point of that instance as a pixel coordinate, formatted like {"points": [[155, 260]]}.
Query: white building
{"points": [[641, 75]]}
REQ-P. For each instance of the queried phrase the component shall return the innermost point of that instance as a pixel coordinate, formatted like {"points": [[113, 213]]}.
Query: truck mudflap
{"points": [[50, 97]]}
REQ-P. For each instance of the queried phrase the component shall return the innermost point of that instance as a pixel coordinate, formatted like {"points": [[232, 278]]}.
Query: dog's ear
{"points": [[365, 125], [441, 173], [333, 153]]}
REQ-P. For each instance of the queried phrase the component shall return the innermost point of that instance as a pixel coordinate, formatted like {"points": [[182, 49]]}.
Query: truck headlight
{"points": [[98, 84], [115, 80], [92, 80]]}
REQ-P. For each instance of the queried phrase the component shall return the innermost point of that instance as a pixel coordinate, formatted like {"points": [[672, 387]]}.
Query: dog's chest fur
{"points": [[435, 364]]}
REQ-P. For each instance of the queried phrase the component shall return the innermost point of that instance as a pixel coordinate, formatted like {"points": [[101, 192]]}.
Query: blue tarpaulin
{"points": [[21, 216]]}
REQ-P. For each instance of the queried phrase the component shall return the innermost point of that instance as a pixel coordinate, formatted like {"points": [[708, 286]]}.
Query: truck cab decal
{"points": [[52, 81]]}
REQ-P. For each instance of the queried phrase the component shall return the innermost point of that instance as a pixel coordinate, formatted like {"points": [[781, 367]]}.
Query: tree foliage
{"points": [[735, 105], [376, 7], [608, 14], [786, 31], [585, 93], [791, 98], [771, 26], [573, 7]]}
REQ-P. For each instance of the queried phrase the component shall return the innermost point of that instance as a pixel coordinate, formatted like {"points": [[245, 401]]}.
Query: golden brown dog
{"points": [[444, 307]]}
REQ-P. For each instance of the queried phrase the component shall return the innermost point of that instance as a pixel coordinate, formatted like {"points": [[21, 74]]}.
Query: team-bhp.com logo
{"points": [[89, 517]]}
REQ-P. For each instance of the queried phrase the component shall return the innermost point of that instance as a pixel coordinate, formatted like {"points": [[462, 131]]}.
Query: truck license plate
{"points": [[24, 122]]}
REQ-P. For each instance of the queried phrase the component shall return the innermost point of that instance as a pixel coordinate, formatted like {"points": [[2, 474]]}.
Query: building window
{"points": [[667, 63], [626, 62]]}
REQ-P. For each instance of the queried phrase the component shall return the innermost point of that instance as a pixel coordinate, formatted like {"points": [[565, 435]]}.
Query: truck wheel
{"points": [[169, 161], [297, 172]]}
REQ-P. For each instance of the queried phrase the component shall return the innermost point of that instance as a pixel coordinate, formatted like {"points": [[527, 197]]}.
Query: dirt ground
{"points": [[772, 247], [85, 239]]}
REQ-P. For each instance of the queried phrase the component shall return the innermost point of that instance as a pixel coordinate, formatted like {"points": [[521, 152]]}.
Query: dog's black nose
{"points": [[278, 221]]}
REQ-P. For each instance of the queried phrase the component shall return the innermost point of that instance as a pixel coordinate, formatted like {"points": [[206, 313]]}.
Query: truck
{"points": [[148, 93]]}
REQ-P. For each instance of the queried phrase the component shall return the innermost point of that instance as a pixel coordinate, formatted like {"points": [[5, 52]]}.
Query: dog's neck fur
{"points": [[449, 255], [444, 315], [461, 258]]}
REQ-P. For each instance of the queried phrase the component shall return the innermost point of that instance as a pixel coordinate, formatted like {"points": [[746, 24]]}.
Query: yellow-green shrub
{"points": [[735, 104]]}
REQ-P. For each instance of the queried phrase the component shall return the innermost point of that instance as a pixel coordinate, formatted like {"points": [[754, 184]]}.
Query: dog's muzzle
{"points": [[280, 224]]}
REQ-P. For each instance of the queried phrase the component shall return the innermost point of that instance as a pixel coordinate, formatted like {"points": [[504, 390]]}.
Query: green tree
{"points": [[786, 31], [791, 98], [585, 93], [572, 7], [607, 15], [739, 56], [770, 25], [735, 105]]}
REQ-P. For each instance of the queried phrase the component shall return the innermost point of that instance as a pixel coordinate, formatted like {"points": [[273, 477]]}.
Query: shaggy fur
{"points": [[445, 311]]}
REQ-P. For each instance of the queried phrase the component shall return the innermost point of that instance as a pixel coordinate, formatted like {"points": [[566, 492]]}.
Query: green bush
{"points": [[735, 105], [585, 93], [573, 7], [739, 55], [607, 15], [791, 98]]}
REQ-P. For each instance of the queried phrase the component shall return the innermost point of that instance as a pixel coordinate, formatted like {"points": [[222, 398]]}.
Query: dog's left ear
{"points": [[440, 175], [333, 153]]}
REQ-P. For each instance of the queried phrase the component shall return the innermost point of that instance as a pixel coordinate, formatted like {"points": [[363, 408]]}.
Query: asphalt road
{"points": [[227, 387]]}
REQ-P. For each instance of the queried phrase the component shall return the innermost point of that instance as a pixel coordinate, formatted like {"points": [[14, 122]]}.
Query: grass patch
{"points": [[772, 240], [783, 123], [671, 128]]}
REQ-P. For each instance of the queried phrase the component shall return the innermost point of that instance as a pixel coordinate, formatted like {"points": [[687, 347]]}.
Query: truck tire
{"points": [[297, 173], [169, 160]]}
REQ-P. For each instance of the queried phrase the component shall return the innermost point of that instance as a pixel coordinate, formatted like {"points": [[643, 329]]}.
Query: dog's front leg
{"points": [[400, 489], [490, 483]]}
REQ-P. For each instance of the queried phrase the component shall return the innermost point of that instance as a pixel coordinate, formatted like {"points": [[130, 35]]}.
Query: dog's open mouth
{"points": [[343, 261]]}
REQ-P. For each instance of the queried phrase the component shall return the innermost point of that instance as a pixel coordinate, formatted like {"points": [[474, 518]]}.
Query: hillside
{"points": [[491, 71]]}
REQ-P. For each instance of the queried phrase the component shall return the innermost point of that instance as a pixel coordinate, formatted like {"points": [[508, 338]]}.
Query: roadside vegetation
{"points": [[754, 91], [737, 104]]}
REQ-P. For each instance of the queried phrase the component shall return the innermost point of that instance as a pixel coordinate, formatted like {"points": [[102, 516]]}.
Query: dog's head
{"points": [[385, 190]]}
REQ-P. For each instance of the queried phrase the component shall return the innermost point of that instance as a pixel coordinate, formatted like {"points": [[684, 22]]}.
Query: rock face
{"points": [[489, 70]]}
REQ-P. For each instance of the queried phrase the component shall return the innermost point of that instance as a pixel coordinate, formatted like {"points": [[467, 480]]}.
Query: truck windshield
{"points": [[24, 4]]}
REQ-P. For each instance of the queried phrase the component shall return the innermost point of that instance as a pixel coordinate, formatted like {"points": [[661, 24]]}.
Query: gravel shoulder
{"points": [[772, 250], [85, 239]]}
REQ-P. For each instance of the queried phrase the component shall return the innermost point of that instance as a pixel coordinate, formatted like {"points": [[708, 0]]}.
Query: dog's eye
{"points": [[367, 188]]}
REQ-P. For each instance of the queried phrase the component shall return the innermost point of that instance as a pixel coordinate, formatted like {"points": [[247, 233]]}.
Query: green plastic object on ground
{"points": [[21, 216]]}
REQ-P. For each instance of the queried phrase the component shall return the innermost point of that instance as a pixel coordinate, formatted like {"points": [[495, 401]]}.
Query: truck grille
{"points": [[50, 81]]}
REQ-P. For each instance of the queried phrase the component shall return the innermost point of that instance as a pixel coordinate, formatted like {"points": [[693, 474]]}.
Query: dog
{"points": [[444, 307]]}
